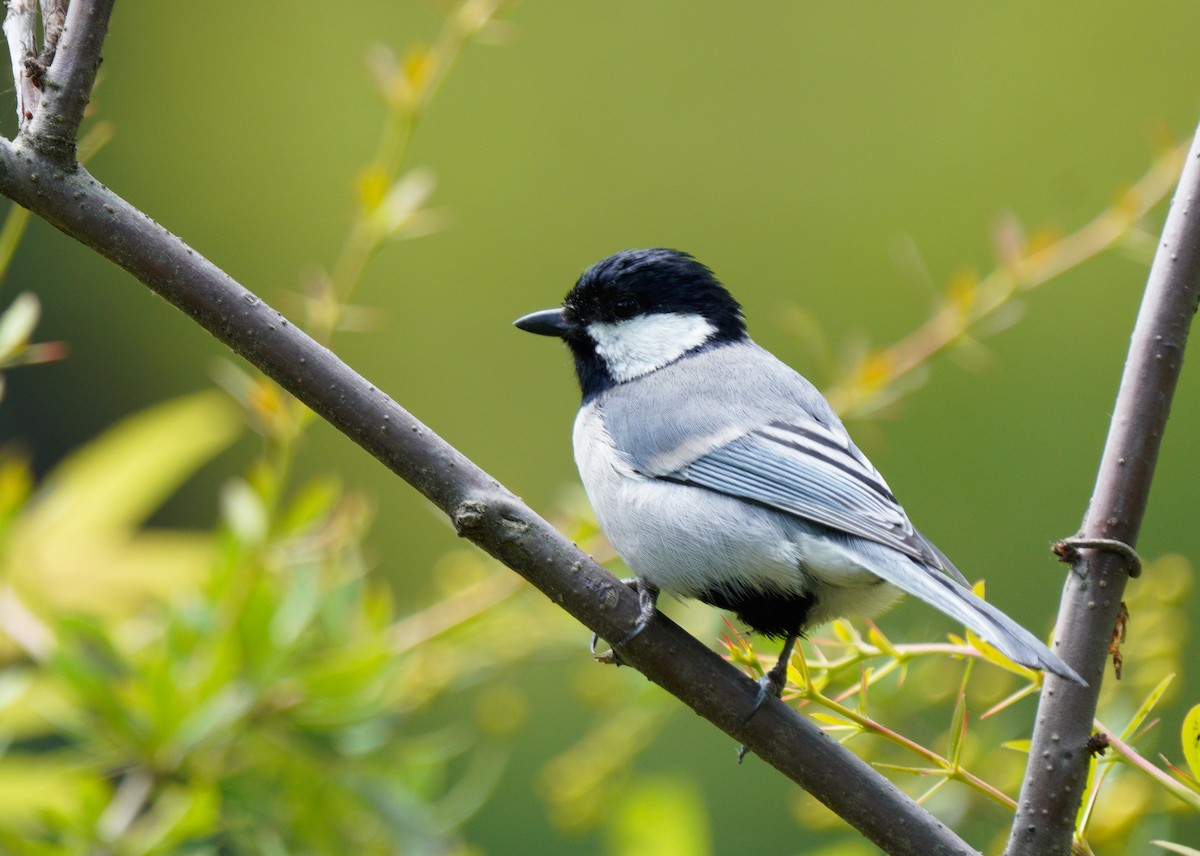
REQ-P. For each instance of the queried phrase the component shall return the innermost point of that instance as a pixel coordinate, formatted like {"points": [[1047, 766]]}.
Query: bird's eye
{"points": [[626, 307]]}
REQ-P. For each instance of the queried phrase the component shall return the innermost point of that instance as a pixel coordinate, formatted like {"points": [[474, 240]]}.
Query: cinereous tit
{"points": [[718, 473]]}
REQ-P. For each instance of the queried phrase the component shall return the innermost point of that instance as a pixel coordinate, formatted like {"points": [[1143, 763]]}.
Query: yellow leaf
{"points": [[994, 656], [1127, 201], [418, 67], [16, 481], [830, 719], [844, 631], [1043, 239], [962, 290], [876, 371], [32, 786], [876, 637], [1191, 740], [78, 545], [372, 187]]}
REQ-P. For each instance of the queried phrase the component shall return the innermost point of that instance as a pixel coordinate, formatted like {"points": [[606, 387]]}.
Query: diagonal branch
{"points": [[39, 172], [1091, 601], [482, 510]]}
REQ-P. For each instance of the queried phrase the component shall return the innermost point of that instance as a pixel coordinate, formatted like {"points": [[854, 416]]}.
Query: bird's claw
{"points": [[647, 608], [770, 685], [609, 657]]}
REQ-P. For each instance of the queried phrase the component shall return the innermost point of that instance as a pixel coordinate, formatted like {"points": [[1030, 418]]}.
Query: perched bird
{"points": [[719, 473]]}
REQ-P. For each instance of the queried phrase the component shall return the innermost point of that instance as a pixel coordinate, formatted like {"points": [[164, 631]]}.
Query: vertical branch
{"points": [[1058, 758], [67, 84], [54, 18], [19, 22]]}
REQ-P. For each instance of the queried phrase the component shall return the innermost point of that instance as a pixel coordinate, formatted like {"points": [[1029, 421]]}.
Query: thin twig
{"points": [[1091, 601], [962, 314]]}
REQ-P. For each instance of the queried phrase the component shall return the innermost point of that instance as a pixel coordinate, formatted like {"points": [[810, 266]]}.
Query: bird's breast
{"points": [[682, 539]]}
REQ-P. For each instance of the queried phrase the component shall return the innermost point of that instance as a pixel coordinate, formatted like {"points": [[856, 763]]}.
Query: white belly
{"points": [[687, 540]]}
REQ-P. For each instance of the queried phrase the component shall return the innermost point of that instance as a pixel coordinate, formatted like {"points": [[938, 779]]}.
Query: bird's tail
{"points": [[989, 623]]}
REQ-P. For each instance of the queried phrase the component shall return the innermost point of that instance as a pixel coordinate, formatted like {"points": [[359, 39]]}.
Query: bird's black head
{"points": [[637, 311]]}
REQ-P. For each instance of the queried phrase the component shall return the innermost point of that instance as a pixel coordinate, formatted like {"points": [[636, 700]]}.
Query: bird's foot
{"points": [[1067, 550], [647, 608], [770, 685]]}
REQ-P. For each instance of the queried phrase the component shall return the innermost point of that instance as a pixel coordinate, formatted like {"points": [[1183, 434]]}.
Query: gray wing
{"points": [[738, 421], [814, 472]]}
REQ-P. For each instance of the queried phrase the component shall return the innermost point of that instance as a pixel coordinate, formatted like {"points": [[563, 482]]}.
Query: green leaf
{"points": [[300, 604], [77, 545], [958, 728], [1191, 740], [10, 235], [312, 503], [115, 482], [1147, 705], [176, 815], [220, 712], [245, 513]]}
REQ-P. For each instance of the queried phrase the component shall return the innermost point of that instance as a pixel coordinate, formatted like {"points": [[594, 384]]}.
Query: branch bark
{"points": [[19, 26], [39, 171], [1058, 758]]}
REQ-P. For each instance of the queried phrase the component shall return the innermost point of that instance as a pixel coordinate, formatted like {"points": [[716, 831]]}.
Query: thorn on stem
{"points": [[1118, 638]]}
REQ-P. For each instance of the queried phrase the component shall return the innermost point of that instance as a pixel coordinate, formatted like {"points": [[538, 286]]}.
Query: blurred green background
{"points": [[847, 159]]}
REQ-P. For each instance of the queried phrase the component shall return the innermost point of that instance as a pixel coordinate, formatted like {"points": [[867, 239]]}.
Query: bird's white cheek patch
{"points": [[640, 345]]}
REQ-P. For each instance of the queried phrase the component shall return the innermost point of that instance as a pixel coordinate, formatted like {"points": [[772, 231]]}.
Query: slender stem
{"points": [[1091, 601], [953, 322], [950, 769], [1132, 757], [445, 615]]}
